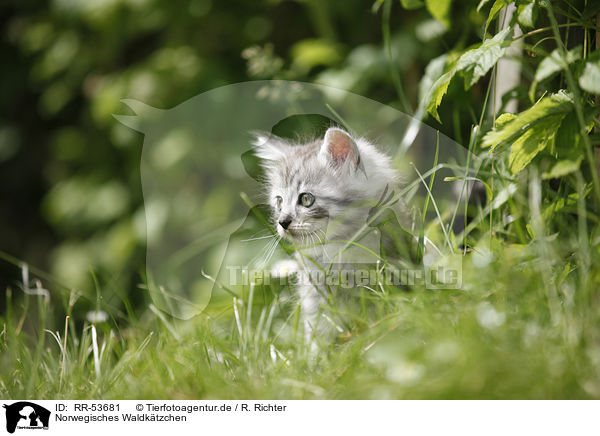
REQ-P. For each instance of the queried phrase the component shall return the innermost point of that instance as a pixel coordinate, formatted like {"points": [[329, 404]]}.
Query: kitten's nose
{"points": [[285, 222]]}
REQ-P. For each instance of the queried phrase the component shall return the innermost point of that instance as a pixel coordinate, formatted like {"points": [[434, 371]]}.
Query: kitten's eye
{"points": [[306, 199], [278, 201]]}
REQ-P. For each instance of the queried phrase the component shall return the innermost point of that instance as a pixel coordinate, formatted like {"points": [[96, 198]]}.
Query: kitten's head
{"points": [[320, 188]]}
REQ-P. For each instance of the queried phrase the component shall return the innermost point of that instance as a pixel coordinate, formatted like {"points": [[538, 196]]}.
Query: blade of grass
{"points": [[437, 211], [387, 8]]}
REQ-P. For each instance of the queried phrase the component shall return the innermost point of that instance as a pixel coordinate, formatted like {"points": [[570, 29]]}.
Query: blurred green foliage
{"points": [[70, 192], [526, 325], [69, 172]]}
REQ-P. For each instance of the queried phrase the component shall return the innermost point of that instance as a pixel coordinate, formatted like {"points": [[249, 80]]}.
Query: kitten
{"points": [[321, 193]]}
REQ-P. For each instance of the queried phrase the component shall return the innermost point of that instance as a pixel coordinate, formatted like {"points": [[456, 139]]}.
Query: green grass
{"points": [[526, 325]]}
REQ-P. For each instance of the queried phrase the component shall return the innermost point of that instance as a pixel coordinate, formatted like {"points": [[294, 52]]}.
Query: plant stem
{"points": [[545, 29], [387, 8], [572, 85]]}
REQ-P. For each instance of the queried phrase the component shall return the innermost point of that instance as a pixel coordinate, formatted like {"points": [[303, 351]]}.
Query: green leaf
{"points": [[433, 72], [562, 168], [527, 15], [503, 120], [561, 203], [553, 64], [534, 130], [474, 64], [309, 53], [412, 4], [440, 10], [534, 140], [481, 4], [590, 79], [437, 92], [428, 30], [496, 8], [568, 138], [559, 104], [568, 147]]}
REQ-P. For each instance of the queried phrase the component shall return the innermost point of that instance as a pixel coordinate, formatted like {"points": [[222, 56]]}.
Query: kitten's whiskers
{"points": [[271, 251], [267, 251], [256, 239], [325, 254]]}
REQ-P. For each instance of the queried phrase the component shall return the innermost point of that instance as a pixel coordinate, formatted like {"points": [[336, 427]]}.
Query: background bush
{"points": [[71, 203], [69, 172]]}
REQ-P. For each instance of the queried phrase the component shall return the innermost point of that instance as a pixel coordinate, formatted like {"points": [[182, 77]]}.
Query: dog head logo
{"points": [[199, 180], [26, 415]]}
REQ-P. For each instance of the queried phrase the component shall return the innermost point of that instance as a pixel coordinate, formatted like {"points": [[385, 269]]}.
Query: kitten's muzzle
{"points": [[285, 222]]}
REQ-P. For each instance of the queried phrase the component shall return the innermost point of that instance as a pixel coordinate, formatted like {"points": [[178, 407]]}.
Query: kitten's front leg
{"points": [[312, 301]]}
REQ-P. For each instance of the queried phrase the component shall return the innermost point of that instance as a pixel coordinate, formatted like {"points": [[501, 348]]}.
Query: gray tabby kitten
{"points": [[321, 193]]}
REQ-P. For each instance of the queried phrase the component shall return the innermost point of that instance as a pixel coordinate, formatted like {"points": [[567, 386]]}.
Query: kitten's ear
{"points": [[268, 147], [339, 147]]}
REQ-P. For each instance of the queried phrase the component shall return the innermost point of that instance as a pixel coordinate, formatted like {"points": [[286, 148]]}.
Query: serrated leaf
{"points": [[440, 10], [529, 144], [562, 168], [437, 92], [560, 103], [553, 64], [527, 15], [412, 4], [503, 120], [590, 79], [475, 63]]}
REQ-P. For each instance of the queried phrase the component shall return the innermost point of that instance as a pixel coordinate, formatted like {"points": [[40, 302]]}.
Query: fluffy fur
{"points": [[344, 176]]}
